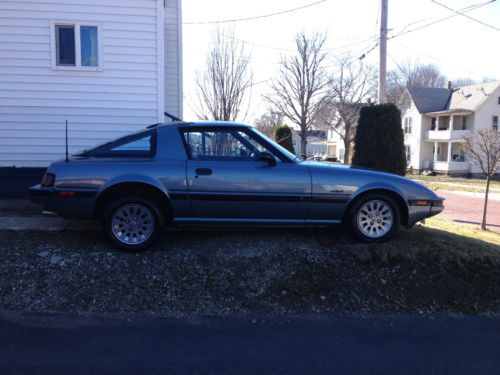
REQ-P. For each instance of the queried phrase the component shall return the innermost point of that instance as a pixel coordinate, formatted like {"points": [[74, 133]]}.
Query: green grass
{"points": [[456, 183], [465, 230], [444, 239]]}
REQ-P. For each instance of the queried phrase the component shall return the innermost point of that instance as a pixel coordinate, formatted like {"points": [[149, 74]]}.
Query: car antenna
{"points": [[172, 117], [67, 156]]}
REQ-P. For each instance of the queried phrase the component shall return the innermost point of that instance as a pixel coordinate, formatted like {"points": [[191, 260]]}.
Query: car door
{"points": [[227, 180]]}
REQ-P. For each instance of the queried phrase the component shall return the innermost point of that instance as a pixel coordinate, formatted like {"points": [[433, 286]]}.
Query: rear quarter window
{"points": [[136, 145]]}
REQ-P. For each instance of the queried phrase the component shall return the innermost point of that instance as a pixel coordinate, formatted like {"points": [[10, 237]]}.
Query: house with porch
{"points": [[437, 120], [107, 67], [316, 143]]}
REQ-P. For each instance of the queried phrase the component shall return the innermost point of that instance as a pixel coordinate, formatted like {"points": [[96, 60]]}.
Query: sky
{"points": [[459, 46]]}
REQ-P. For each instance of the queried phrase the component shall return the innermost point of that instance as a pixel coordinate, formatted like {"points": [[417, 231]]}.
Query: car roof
{"points": [[198, 123]]}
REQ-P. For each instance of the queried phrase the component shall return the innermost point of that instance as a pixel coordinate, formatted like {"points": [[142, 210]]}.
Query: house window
{"points": [[407, 125], [65, 45], [408, 153], [494, 124], [499, 100], [458, 154], [464, 123], [434, 149], [433, 123], [76, 46]]}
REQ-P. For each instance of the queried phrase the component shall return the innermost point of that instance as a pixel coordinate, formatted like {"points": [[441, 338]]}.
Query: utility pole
{"points": [[382, 80]]}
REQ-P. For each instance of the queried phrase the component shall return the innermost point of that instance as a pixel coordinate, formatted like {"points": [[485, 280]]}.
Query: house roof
{"points": [[430, 99], [321, 134], [467, 98], [471, 97]]}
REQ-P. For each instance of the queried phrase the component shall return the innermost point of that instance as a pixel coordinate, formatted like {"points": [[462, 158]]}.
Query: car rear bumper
{"points": [[422, 209], [67, 203]]}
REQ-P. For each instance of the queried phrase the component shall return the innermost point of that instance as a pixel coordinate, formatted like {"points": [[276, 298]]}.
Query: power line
{"points": [[368, 52], [466, 16], [360, 42], [257, 17], [433, 57], [459, 12]]}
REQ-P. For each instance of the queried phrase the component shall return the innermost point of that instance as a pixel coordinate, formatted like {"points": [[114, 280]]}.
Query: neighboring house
{"points": [[316, 143], [335, 145], [437, 120], [335, 142], [108, 67]]}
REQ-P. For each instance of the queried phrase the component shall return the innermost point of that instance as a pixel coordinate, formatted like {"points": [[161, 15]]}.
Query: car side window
{"points": [[137, 145], [221, 144], [141, 145]]}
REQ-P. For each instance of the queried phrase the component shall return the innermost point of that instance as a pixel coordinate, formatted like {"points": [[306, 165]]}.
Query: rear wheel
{"points": [[375, 218], [132, 224]]}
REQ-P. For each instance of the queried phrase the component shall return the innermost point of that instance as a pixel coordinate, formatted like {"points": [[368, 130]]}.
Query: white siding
{"points": [[483, 118], [173, 57], [35, 100], [415, 138]]}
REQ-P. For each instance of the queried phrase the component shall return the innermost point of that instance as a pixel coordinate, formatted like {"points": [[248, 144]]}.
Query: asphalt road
{"points": [[322, 344]]}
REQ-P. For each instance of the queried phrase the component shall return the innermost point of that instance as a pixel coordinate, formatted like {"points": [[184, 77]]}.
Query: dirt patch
{"points": [[248, 272], [19, 208]]}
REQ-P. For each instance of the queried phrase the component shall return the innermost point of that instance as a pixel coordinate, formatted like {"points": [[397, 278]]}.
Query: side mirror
{"points": [[267, 157]]}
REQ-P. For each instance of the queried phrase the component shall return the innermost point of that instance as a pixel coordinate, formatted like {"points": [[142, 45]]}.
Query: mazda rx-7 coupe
{"points": [[224, 174]]}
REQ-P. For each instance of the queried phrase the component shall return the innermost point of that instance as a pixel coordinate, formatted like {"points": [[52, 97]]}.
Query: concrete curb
{"points": [[51, 224]]}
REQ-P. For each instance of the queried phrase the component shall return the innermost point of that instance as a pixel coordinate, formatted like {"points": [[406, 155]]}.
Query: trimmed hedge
{"points": [[379, 141], [284, 137]]}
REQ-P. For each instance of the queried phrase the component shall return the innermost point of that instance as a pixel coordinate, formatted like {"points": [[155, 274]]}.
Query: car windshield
{"points": [[280, 148]]}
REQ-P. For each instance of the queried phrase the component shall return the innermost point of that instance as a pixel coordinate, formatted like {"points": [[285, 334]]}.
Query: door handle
{"points": [[203, 171]]}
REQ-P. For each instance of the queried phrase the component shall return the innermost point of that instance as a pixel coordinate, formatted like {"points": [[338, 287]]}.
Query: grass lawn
{"points": [[466, 230], [456, 183], [442, 239]]}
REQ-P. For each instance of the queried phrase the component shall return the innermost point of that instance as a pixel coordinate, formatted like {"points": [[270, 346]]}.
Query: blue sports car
{"points": [[209, 173]]}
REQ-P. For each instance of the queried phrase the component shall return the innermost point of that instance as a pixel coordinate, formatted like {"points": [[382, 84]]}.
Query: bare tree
{"points": [[464, 81], [483, 149], [300, 88], [269, 121], [351, 87], [226, 81], [467, 81], [412, 74]]}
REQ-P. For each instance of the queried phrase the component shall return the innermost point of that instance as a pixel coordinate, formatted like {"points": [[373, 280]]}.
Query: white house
{"points": [[316, 144], [108, 67], [437, 120], [335, 145]]}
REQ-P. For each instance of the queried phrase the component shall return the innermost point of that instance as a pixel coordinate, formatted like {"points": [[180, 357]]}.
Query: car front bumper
{"points": [[419, 210]]}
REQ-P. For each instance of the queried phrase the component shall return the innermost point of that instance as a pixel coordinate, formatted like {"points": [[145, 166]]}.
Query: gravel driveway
{"points": [[249, 272]]}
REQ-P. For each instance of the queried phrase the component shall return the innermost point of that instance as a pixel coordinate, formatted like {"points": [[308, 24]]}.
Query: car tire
{"points": [[132, 224], [375, 218]]}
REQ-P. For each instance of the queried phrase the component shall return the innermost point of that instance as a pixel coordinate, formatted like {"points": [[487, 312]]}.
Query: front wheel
{"points": [[375, 218], [132, 224]]}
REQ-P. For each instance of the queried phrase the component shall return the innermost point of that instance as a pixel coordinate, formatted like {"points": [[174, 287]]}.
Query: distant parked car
{"points": [[187, 174]]}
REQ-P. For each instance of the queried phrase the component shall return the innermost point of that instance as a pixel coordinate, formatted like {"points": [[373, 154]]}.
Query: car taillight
{"points": [[48, 179]]}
